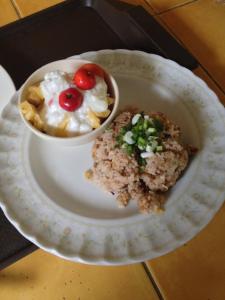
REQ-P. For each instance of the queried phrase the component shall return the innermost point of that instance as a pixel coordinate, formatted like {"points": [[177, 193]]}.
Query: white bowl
{"points": [[69, 66]]}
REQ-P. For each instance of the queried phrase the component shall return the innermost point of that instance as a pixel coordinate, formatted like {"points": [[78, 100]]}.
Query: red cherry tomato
{"points": [[83, 79], [95, 69], [70, 99]]}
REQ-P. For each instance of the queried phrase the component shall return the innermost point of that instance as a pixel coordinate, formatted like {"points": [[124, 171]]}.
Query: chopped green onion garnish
{"points": [[154, 145], [148, 148], [135, 119], [142, 161], [158, 125], [151, 130], [159, 148], [145, 124], [141, 137], [128, 138], [130, 150]]}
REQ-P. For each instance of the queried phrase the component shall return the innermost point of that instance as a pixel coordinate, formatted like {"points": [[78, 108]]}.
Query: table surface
{"points": [[194, 271]]}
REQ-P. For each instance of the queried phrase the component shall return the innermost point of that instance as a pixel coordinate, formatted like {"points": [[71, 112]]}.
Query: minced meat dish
{"points": [[139, 157]]}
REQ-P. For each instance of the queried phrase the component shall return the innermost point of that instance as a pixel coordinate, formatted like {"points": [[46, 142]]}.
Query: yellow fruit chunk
{"points": [[37, 122], [110, 100], [34, 95], [103, 114], [31, 115], [94, 120], [28, 110], [61, 131]]}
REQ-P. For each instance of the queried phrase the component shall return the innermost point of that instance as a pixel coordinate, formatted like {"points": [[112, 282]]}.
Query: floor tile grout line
{"points": [[150, 6], [200, 65], [220, 88], [154, 284], [16, 9], [174, 7]]}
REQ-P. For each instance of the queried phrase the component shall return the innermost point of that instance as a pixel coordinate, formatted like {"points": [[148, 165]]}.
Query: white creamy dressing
{"points": [[52, 114]]}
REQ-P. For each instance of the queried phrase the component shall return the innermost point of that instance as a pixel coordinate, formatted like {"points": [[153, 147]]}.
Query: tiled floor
{"points": [[7, 12], [196, 270], [27, 7], [44, 276], [201, 27]]}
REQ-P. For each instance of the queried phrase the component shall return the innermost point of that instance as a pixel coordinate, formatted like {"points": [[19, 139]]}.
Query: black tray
{"points": [[71, 28]]}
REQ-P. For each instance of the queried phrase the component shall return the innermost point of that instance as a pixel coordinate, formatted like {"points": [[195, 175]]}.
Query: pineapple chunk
{"points": [[34, 95], [103, 114], [61, 131], [31, 115], [94, 120], [28, 110], [110, 100]]}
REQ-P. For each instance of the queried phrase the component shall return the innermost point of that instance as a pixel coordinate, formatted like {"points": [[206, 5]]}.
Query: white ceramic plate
{"points": [[45, 195], [7, 88]]}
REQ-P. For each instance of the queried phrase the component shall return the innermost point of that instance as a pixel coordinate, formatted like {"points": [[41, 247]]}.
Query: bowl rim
{"points": [[72, 138]]}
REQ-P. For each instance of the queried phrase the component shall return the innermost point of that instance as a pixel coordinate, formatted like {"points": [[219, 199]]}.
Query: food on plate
{"points": [[66, 105], [139, 157]]}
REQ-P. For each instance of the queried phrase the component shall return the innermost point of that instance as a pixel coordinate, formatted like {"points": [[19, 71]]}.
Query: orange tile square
{"points": [[29, 7], [26, 7], [44, 276], [196, 270], [201, 27], [7, 12]]}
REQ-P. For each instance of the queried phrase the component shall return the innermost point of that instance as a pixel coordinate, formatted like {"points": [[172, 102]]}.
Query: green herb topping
{"points": [[141, 137]]}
